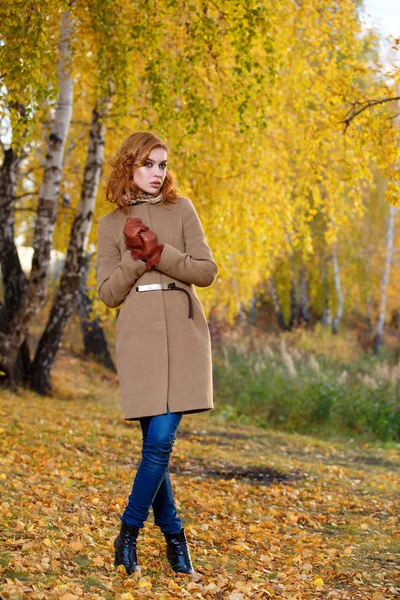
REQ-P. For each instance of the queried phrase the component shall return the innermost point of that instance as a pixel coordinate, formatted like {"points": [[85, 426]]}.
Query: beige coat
{"points": [[163, 357]]}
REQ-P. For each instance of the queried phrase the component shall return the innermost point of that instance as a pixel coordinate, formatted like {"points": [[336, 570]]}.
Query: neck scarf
{"points": [[142, 196]]}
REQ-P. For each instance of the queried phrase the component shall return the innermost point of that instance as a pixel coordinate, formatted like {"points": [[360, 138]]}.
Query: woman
{"points": [[151, 251]]}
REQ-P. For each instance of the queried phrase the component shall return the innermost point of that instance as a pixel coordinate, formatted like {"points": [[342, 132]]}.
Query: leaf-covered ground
{"points": [[267, 515]]}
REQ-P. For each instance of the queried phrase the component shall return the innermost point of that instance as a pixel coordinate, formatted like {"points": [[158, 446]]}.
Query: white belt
{"points": [[167, 286], [154, 286]]}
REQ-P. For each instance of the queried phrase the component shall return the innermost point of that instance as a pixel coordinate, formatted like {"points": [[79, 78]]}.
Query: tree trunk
{"points": [[253, 310], [293, 299], [336, 270], [385, 280], [396, 318], [94, 340], [277, 305], [242, 315], [326, 318], [48, 196], [369, 312], [304, 302], [14, 366], [30, 296], [73, 268]]}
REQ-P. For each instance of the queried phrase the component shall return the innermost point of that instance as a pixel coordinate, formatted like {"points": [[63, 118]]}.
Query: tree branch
{"points": [[359, 107]]}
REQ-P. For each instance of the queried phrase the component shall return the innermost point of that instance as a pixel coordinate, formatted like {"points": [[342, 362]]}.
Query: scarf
{"points": [[140, 197]]}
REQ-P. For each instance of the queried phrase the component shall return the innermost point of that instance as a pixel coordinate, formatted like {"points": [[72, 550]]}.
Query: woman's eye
{"points": [[150, 164]]}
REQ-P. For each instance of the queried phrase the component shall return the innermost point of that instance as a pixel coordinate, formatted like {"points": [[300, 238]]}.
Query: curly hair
{"points": [[134, 152]]}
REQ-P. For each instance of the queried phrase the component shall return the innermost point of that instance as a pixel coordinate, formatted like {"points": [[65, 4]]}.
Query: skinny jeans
{"points": [[152, 484]]}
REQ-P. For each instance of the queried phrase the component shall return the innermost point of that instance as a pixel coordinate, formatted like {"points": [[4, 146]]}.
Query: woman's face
{"points": [[150, 177]]}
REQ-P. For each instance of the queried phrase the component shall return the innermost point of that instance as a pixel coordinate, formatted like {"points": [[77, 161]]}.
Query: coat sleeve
{"points": [[115, 276], [196, 265]]}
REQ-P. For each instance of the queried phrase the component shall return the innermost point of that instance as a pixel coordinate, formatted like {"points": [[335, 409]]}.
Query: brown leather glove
{"points": [[151, 250], [133, 228]]}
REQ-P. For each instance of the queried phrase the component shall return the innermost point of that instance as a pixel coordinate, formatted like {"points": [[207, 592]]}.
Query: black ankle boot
{"points": [[125, 548], [178, 552]]}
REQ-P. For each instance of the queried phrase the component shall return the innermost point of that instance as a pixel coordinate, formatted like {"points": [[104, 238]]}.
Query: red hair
{"points": [[134, 152]]}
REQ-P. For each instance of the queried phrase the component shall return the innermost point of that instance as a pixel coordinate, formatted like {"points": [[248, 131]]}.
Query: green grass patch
{"points": [[4, 560], [92, 582], [252, 387]]}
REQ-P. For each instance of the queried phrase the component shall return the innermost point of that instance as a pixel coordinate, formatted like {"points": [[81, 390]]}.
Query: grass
{"points": [[279, 383]]}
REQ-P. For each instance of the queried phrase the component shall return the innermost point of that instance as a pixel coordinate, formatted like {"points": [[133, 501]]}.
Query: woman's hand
{"points": [[151, 249], [133, 228]]}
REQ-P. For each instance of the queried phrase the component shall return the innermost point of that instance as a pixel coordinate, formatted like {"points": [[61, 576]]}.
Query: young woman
{"points": [[151, 252]]}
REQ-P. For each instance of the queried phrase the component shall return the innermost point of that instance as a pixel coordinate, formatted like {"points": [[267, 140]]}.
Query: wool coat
{"points": [[163, 357]]}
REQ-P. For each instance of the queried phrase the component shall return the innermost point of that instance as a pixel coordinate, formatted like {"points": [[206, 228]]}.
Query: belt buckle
{"points": [[152, 286], [148, 288]]}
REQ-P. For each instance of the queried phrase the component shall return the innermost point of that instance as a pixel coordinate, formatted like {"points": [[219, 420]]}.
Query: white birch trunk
{"points": [[338, 287], [48, 196], [385, 279], [74, 264], [35, 291]]}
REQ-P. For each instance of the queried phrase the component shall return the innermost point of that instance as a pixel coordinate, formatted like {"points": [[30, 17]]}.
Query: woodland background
{"points": [[284, 131], [283, 127]]}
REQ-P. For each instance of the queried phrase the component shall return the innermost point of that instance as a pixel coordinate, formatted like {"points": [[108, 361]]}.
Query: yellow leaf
{"points": [[173, 586], [127, 596], [318, 582], [76, 546], [192, 585], [60, 589], [47, 542], [238, 547], [143, 583], [212, 588], [3, 476]]}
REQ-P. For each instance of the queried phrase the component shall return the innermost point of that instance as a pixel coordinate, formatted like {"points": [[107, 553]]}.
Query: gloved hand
{"points": [[151, 250], [133, 228]]}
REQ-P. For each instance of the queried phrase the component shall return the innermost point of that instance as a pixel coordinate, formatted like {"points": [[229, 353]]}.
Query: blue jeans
{"points": [[152, 484]]}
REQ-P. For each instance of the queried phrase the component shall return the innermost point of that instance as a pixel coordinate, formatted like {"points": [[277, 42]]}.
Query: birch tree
{"points": [[24, 93], [385, 279], [36, 288], [338, 287], [65, 298]]}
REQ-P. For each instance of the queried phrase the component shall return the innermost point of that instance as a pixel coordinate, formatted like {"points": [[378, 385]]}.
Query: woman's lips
{"points": [[155, 184]]}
